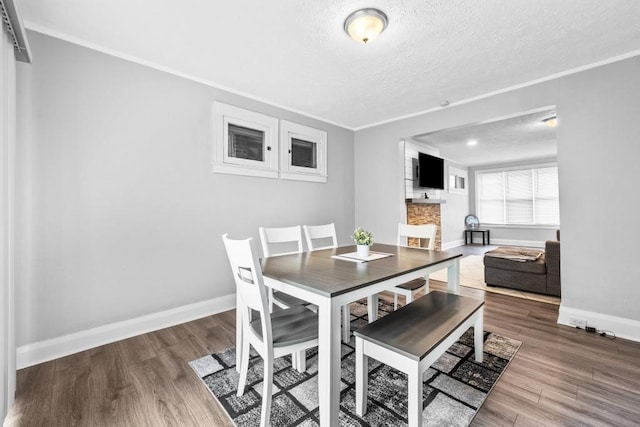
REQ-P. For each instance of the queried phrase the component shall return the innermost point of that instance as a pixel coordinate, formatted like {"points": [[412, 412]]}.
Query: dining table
{"points": [[331, 278]]}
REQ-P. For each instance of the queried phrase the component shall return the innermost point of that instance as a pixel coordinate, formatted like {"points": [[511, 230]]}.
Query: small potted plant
{"points": [[363, 239]]}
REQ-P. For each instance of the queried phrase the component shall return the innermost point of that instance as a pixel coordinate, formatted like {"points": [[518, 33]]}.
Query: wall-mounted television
{"points": [[430, 171]]}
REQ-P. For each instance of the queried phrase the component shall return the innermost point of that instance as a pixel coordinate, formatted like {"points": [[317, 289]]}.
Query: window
{"points": [[519, 196], [246, 142], [457, 180], [304, 153]]}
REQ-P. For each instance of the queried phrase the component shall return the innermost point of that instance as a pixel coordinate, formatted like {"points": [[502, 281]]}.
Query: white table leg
{"points": [[453, 277], [329, 362], [372, 307], [478, 335], [346, 323]]}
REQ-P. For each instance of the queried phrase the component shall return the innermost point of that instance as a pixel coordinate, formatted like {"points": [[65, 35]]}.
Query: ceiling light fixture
{"points": [[551, 121], [365, 25], [472, 142]]}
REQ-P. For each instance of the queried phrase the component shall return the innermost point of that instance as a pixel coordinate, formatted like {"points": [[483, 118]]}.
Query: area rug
{"points": [[454, 387], [472, 276]]}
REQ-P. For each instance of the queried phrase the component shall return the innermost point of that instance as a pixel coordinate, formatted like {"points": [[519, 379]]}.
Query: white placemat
{"points": [[353, 256]]}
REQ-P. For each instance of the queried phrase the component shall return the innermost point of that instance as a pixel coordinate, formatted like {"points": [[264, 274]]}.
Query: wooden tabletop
{"points": [[320, 273]]}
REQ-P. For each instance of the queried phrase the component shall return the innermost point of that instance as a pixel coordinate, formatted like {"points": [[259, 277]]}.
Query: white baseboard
{"points": [[509, 242], [44, 351], [623, 328], [506, 242], [453, 244]]}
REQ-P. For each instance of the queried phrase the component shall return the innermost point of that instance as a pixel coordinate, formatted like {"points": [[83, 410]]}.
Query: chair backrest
{"points": [[250, 286], [274, 238], [423, 231], [320, 232]]}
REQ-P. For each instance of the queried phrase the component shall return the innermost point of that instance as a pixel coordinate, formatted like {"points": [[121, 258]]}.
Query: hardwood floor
{"points": [[560, 377]]}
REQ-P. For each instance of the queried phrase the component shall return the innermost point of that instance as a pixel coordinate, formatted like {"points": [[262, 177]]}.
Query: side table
{"points": [[468, 235]]}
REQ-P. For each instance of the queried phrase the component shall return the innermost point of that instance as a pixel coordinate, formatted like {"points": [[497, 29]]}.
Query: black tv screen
{"points": [[430, 171]]}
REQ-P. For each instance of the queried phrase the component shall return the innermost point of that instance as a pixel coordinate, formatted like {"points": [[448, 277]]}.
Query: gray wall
{"points": [[119, 213], [598, 155], [453, 212], [7, 221]]}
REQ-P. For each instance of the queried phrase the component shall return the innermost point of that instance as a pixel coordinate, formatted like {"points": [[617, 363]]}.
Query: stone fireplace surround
{"points": [[425, 211]]}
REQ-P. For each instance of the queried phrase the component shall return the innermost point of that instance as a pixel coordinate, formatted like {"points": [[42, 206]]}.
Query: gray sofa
{"points": [[541, 276]]}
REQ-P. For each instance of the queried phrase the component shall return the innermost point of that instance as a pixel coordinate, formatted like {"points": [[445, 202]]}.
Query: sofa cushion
{"points": [[492, 259]]}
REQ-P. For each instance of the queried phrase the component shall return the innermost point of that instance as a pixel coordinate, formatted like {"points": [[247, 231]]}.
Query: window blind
{"points": [[519, 196]]}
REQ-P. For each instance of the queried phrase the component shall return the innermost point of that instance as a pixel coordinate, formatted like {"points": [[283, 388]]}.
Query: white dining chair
{"points": [[320, 237], [324, 233], [419, 232], [279, 241], [272, 335]]}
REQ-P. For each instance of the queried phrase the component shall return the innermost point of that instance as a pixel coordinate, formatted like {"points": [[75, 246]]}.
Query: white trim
{"points": [[75, 40], [505, 242], [303, 177], [43, 351], [508, 89], [452, 244], [243, 170], [623, 328], [510, 242]]}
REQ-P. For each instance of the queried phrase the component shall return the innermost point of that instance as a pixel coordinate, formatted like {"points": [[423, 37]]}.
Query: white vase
{"points": [[363, 251]]}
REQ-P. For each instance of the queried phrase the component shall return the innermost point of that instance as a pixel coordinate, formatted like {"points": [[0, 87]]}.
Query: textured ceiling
{"points": [[517, 138], [295, 54]]}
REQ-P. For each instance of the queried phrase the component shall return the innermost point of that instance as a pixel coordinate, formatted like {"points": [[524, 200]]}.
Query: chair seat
{"points": [[288, 300], [291, 326], [413, 284]]}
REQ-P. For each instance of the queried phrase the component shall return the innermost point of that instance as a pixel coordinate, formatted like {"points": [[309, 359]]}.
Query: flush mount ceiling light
{"points": [[472, 142], [551, 121], [365, 25]]}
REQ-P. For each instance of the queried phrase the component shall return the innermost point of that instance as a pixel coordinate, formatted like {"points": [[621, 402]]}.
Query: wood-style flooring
{"points": [[560, 377]]}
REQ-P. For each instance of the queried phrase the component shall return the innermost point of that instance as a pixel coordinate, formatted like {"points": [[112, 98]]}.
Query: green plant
{"points": [[362, 237]]}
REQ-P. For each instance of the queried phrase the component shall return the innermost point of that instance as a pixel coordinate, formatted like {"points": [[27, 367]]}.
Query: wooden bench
{"points": [[412, 338]]}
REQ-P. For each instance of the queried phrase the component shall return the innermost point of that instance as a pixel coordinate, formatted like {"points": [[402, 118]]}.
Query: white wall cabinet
{"points": [[250, 143], [303, 152], [245, 142]]}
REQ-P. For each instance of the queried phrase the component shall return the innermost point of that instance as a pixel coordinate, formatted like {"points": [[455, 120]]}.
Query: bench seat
{"points": [[412, 338]]}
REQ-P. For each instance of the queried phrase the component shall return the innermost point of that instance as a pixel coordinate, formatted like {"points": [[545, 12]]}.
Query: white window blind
{"points": [[519, 196]]}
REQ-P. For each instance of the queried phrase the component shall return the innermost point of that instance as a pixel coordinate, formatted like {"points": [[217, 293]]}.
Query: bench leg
{"points": [[478, 335], [414, 406], [362, 378]]}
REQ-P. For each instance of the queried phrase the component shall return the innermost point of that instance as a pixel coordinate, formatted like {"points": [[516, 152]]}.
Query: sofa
{"points": [[540, 274]]}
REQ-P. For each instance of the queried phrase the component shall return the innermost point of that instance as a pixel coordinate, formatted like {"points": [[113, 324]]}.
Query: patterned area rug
{"points": [[454, 387]]}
